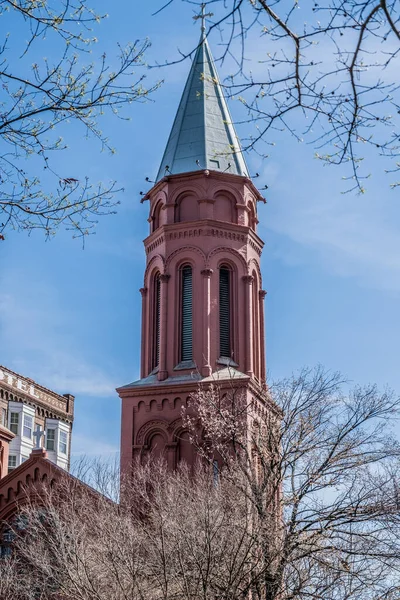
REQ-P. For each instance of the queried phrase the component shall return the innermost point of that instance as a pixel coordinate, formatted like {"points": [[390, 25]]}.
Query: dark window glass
{"points": [[186, 322], [156, 324], [224, 312], [50, 439], [14, 421]]}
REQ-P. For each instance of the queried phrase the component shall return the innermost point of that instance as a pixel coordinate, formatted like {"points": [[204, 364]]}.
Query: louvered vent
{"points": [[224, 313], [186, 335], [157, 314]]}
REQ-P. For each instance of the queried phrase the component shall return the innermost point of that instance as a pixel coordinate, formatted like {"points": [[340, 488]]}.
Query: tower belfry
{"points": [[202, 297]]}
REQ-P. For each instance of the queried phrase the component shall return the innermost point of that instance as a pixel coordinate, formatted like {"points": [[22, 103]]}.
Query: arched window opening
{"points": [[225, 301], [156, 320], [157, 446], [256, 327], [252, 216], [186, 313], [156, 217], [186, 450]]}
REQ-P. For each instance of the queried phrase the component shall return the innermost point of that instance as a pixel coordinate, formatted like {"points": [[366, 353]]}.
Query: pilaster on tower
{"points": [[202, 297]]}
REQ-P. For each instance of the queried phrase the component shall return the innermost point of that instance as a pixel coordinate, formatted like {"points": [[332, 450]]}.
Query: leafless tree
{"points": [[304, 505], [41, 100], [320, 468], [171, 537], [333, 63]]}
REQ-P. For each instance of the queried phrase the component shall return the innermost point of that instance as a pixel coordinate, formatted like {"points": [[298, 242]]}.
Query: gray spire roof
{"points": [[203, 129]]}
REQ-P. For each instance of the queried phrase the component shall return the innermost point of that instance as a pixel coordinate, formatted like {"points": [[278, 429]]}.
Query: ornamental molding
{"points": [[225, 250], [156, 425], [207, 272], [253, 263], [185, 249], [150, 265], [157, 242]]}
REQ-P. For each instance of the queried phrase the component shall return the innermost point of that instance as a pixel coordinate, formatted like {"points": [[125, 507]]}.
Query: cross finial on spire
{"points": [[203, 16]]}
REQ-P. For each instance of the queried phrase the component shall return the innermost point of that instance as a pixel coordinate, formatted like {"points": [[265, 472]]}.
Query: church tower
{"points": [[202, 296]]}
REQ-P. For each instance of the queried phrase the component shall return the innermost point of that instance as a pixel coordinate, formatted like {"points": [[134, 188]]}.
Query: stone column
{"points": [[248, 281], [144, 349], [206, 368], [162, 371], [262, 294]]}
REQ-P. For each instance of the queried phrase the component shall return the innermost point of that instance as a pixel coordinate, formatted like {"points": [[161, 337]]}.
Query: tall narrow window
{"points": [[28, 427], [62, 445], [50, 439], [156, 321], [14, 422], [186, 313], [225, 349], [12, 462]]}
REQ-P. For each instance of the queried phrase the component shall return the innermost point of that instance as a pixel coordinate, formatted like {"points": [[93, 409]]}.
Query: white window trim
{"points": [[60, 442], [24, 416]]}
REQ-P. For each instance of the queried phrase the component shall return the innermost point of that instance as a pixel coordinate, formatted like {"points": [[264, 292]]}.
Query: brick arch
{"points": [[225, 211], [188, 211], [150, 428], [156, 218], [225, 188], [185, 250], [253, 264], [239, 259], [155, 262], [184, 189]]}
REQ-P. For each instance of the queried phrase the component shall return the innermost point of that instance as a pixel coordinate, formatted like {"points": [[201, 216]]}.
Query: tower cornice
{"points": [[203, 228], [206, 173]]}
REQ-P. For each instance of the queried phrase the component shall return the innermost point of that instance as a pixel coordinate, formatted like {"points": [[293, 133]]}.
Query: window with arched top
{"points": [[225, 311], [187, 209], [186, 286], [256, 326], [156, 321], [156, 216], [157, 446], [252, 216]]}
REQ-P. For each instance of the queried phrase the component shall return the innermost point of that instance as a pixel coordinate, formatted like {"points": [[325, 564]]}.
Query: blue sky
{"points": [[70, 318]]}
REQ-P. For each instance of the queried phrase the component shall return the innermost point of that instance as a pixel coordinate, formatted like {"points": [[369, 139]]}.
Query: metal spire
{"points": [[202, 136]]}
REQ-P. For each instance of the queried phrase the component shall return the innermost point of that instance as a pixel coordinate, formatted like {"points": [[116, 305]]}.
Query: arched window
{"points": [[225, 301], [256, 327], [186, 313], [156, 320], [156, 216]]}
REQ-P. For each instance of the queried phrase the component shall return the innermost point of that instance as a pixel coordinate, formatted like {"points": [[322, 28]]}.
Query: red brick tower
{"points": [[202, 297]]}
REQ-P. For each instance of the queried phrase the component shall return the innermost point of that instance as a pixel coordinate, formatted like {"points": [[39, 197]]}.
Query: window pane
{"points": [[156, 324], [50, 439], [63, 442], [224, 313], [186, 336], [14, 420], [28, 426], [12, 462]]}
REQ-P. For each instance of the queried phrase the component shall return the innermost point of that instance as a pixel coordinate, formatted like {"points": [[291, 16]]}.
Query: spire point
{"points": [[203, 135], [202, 17]]}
